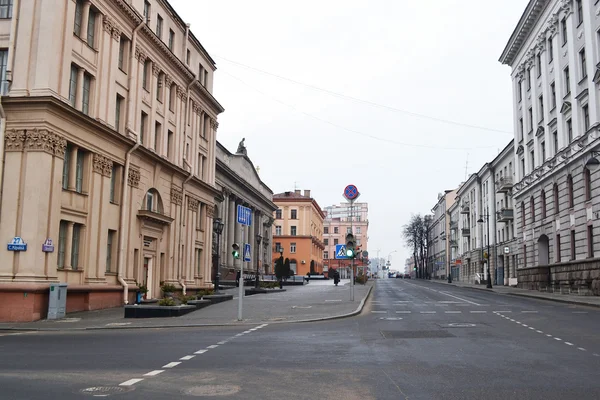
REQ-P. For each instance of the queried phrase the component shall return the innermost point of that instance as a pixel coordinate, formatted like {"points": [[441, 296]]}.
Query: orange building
{"points": [[298, 231]]}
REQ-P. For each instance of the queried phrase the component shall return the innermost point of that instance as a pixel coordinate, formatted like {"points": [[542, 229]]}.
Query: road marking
{"points": [[581, 348], [452, 312], [539, 331], [478, 312], [579, 312], [201, 351], [403, 312], [222, 342], [212, 346], [596, 355], [131, 382], [185, 358], [530, 312], [239, 334], [155, 372], [428, 312], [548, 335], [532, 328], [502, 311], [172, 364], [378, 302], [461, 299], [569, 344], [247, 331], [557, 338], [379, 312], [525, 325]]}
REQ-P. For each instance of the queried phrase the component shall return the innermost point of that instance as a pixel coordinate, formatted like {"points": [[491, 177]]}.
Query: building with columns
{"points": [[298, 231], [239, 183], [554, 53], [108, 152]]}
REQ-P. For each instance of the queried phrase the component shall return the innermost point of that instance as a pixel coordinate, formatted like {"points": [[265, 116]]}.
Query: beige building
{"points": [[298, 231], [440, 236], [109, 132]]}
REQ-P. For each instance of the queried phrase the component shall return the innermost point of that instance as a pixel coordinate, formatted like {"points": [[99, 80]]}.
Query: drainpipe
{"points": [[13, 40], [2, 132]]}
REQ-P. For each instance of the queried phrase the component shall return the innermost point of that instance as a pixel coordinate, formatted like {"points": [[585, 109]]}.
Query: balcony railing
{"points": [[504, 184], [453, 243], [466, 232], [505, 215]]}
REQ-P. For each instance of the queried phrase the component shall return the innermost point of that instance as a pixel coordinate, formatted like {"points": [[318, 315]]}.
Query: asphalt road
{"points": [[414, 340]]}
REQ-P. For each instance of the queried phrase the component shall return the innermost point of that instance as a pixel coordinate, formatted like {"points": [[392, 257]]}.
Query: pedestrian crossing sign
{"points": [[247, 255], [340, 252]]}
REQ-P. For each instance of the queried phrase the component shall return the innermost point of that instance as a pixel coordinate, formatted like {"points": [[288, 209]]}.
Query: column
{"points": [[69, 245], [85, 19], [230, 229], [225, 219], [591, 61], [79, 93], [73, 168], [574, 72]]}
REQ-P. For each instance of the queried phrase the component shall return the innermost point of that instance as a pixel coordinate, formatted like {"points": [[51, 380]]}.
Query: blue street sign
{"points": [[244, 215], [17, 244], [340, 252], [247, 256]]}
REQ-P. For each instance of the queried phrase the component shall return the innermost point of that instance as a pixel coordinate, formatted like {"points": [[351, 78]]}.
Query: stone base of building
{"points": [[26, 302], [574, 274]]}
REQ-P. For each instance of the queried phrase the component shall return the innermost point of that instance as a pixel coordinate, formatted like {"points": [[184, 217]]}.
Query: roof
{"points": [[293, 196], [530, 17]]}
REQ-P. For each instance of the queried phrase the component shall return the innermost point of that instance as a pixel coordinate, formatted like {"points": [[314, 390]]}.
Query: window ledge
{"points": [[110, 274], [75, 191], [78, 270], [582, 80], [114, 203], [122, 70]]}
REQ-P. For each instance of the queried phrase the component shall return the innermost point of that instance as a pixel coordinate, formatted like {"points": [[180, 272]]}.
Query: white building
{"points": [[439, 242]]}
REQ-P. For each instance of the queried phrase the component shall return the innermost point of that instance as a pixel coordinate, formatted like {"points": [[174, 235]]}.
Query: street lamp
{"points": [[258, 240], [480, 221], [281, 259], [218, 230], [593, 163]]}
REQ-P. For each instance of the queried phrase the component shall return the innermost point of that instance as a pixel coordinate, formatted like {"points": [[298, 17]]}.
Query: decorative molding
{"points": [[108, 24], [566, 6], [133, 178], [193, 204], [520, 149], [156, 69], [102, 165], [552, 25], [35, 139], [541, 43], [214, 124], [181, 93], [116, 33], [168, 80], [140, 54], [196, 107], [176, 195], [210, 211], [540, 131], [566, 106]]}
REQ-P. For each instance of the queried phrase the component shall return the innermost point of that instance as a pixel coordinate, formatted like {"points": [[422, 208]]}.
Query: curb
{"points": [[99, 328]]}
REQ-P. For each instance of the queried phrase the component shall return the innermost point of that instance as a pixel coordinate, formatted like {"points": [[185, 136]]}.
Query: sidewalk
{"points": [[592, 301], [316, 301]]}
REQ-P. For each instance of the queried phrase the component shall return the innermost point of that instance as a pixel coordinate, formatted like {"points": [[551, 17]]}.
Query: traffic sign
{"points": [[244, 215], [247, 255], [340, 252], [351, 192]]}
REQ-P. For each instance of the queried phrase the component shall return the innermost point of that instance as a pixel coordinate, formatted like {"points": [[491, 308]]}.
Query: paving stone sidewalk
{"points": [[318, 300], [593, 301]]}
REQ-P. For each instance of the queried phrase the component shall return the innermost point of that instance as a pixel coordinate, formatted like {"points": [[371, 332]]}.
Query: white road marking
{"points": [[568, 343], [539, 331], [131, 382], [596, 355], [579, 312], [185, 358], [155, 372], [403, 312], [172, 364], [222, 342], [428, 312], [378, 302], [529, 312], [526, 326], [201, 351], [239, 334], [247, 331], [212, 346], [452, 312], [581, 348], [532, 328], [478, 312], [461, 299], [502, 311], [379, 312], [557, 338], [548, 335]]}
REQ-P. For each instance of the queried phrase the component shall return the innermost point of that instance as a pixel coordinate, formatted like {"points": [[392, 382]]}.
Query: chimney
{"points": [[306, 193], [298, 191]]}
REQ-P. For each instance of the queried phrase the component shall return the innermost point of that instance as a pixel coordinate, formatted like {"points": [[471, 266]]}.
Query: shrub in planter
{"points": [[204, 292], [168, 289], [167, 301], [185, 299]]}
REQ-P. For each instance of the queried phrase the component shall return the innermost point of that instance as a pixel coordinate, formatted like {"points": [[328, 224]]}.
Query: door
{"points": [[500, 271], [148, 264]]}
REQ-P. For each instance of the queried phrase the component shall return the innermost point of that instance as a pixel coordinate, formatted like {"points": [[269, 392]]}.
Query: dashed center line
{"points": [[212, 346], [453, 312], [155, 372], [171, 364], [185, 358], [131, 382]]}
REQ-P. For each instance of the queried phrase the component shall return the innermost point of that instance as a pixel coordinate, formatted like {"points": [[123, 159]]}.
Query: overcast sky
{"points": [[436, 58]]}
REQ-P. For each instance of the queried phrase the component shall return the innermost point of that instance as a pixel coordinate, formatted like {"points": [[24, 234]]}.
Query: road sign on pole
{"points": [[244, 217], [340, 252], [351, 193], [247, 253]]}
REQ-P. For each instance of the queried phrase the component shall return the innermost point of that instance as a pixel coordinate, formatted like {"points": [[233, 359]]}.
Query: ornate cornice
{"points": [[214, 124], [168, 80], [36, 139], [193, 204], [133, 178], [156, 70], [176, 195], [108, 24], [566, 6], [140, 54], [102, 165], [552, 27]]}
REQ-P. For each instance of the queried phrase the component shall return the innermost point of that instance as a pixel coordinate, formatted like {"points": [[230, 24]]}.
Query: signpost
{"points": [[340, 252], [17, 244], [351, 194], [244, 218]]}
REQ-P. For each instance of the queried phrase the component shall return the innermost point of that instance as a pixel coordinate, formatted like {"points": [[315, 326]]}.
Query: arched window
{"points": [[543, 201], [570, 191], [153, 202], [587, 179]]}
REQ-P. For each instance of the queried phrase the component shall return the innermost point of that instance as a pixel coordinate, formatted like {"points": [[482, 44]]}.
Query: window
{"points": [[579, 7], [567, 81], [555, 140], [336, 242], [109, 249], [198, 262], [326, 255], [293, 231], [67, 166], [171, 39], [524, 255], [278, 230], [532, 208], [586, 117], [543, 151], [528, 77], [157, 136], [187, 151], [326, 242], [75, 246], [278, 213], [187, 57], [294, 214], [555, 195], [159, 86], [170, 145], [114, 178], [326, 230], [550, 50], [147, 11], [590, 241], [292, 247], [521, 129], [570, 191], [522, 214], [159, 26], [6, 8], [520, 91], [62, 243], [87, 82], [539, 64], [532, 159], [143, 126], [73, 84], [78, 17], [201, 74], [587, 179], [572, 244], [358, 230], [558, 255], [91, 28], [146, 75], [553, 94], [122, 56], [543, 201], [530, 119], [3, 64], [118, 109], [541, 108], [336, 230], [563, 30], [278, 247], [569, 131], [79, 170], [150, 201], [583, 69]]}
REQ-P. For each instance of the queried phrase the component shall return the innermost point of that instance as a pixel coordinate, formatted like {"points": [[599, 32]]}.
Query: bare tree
{"points": [[416, 237]]}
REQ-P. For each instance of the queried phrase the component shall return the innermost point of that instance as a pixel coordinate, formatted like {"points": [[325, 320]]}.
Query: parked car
{"points": [[406, 276], [399, 276]]}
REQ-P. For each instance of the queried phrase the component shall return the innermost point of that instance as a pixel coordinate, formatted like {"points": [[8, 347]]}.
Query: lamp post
{"points": [[258, 240], [480, 221], [218, 230], [281, 259], [593, 163]]}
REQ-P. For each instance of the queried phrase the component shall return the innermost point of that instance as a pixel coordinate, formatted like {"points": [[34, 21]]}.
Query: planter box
{"points": [[251, 291], [149, 301], [217, 298], [199, 303], [139, 311]]}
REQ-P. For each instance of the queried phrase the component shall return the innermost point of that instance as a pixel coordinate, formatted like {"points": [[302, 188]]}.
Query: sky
{"points": [[401, 98]]}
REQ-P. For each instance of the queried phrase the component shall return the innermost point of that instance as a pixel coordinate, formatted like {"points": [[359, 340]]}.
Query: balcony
{"points": [[466, 232], [504, 184], [453, 243], [453, 224], [505, 215]]}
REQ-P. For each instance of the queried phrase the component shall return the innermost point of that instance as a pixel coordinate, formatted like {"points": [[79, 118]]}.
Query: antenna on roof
{"points": [[466, 167], [295, 185]]}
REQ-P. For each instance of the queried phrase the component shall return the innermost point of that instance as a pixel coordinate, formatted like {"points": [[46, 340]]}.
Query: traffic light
{"points": [[236, 250], [350, 243]]}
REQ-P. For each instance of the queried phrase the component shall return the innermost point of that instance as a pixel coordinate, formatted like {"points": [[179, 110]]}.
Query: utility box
{"points": [[57, 304]]}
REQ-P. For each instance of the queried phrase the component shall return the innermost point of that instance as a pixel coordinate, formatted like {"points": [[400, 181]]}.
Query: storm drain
{"points": [[105, 391], [416, 334]]}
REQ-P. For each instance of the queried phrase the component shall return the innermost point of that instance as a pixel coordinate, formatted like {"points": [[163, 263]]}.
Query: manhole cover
{"points": [[461, 325], [212, 390], [104, 391], [391, 318], [416, 334]]}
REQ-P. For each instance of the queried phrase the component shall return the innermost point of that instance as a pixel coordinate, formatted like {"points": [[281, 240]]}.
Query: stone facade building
{"points": [[439, 239], [553, 53], [108, 150], [239, 183]]}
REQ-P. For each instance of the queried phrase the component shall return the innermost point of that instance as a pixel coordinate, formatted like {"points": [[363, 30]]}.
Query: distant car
{"points": [[399, 276], [406, 276]]}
